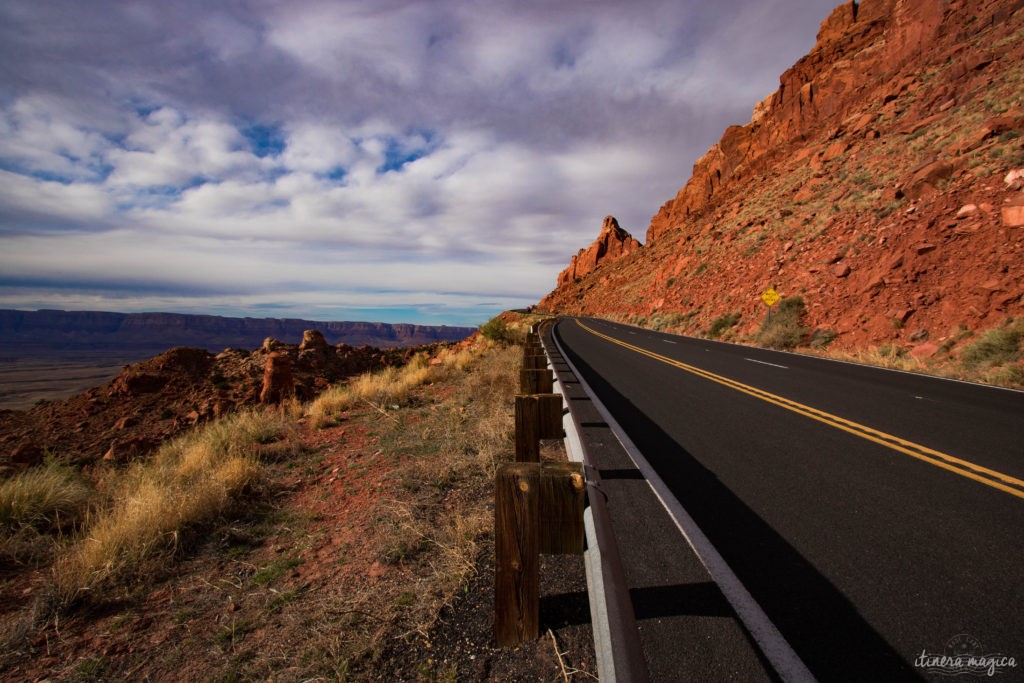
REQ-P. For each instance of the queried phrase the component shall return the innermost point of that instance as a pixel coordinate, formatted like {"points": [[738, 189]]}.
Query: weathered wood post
{"points": [[538, 508], [536, 381], [534, 361], [562, 499], [537, 417], [516, 553]]}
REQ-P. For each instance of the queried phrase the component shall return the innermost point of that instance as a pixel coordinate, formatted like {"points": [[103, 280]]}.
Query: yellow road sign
{"points": [[770, 297]]}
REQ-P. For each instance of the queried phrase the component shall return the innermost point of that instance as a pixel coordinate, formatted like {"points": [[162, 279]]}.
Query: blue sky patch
{"points": [[264, 141]]}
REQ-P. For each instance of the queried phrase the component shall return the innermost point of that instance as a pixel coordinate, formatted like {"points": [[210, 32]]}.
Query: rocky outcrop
{"points": [[611, 244], [312, 340], [879, 183], [151, 401], [278, 384]]}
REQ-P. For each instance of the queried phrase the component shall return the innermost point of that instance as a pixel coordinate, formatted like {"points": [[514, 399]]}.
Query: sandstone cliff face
{"points": [[858, 47], [612, 243], [871, 183]]}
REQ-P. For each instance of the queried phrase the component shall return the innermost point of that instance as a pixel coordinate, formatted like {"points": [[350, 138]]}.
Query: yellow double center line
{"points": [[997, 480]]}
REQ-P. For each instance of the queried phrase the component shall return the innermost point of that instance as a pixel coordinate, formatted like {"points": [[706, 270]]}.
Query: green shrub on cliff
{"points": [[497, 330], [782, 328]]}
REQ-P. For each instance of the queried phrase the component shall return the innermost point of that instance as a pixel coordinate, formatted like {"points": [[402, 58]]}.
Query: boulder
{"points": [[925, 350], [924, 179], [840, 270], [27, 454], [313, 339], [1013, 213], [133, 383], [278, 383], [1014, 180]]}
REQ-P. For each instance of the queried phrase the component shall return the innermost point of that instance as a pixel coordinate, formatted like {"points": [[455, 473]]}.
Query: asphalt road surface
{"points": [[875, 516]]}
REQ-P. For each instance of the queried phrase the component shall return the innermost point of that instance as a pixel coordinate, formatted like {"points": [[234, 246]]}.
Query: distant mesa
{"points": [[154, 332]]}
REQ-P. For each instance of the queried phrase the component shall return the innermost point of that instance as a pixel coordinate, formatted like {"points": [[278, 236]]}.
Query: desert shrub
{"points": [[722, 323], [42, 497], [664, 321], [497, 330], [821, 338], [782, 329], [190, 482], [994, 347]]}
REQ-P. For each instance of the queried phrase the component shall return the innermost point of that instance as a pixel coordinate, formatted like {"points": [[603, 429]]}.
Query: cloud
{"points": [[362, 155]]}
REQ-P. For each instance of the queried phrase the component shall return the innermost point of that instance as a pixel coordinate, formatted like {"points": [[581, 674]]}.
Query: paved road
{"points": [[873, 515]]}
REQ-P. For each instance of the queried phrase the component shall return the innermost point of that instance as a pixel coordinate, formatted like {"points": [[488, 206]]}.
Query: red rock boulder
{"points": [[278, 383]]}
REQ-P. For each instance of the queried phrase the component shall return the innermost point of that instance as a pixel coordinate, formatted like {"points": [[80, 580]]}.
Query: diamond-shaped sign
{"points": [[770, 297]]}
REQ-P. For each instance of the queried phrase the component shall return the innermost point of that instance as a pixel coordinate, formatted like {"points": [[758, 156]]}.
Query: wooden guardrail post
{"points": [[536, 381], [537, 417], [538, 508], [562, 499], [516, 553]]}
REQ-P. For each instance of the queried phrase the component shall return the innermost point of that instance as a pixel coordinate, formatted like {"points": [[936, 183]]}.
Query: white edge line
{"points": [[773, 644], [764, 362]]}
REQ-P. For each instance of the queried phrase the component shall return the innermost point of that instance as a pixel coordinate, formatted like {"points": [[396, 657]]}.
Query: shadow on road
{"points": [[817, 620]]}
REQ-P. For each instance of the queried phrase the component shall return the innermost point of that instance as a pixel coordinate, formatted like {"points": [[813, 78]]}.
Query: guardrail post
{"points": [[538, 508], [516, 553], [537, 417], [562, 498], [536, 381], [534, 361]]}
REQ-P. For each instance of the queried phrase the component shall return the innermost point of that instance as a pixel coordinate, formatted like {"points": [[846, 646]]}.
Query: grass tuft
{"points": [[191, 481], [45, 497], [994, 347], [722, 323]]}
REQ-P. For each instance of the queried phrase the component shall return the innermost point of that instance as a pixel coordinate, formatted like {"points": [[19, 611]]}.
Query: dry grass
{"points": [[448, 455], [389, 387], [424, 521], [45, 497], [36, 508], [888, 356], [992, 358], [191, 481], [379, 390]]}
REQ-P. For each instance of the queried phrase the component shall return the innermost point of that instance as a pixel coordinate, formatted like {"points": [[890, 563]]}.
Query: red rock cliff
{"points": [[878, 183], [860, 47], [612, 243]]}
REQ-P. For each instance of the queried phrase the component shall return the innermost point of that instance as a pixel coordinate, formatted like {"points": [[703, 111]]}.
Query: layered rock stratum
{"points": [[881, 183], [55, 329]]}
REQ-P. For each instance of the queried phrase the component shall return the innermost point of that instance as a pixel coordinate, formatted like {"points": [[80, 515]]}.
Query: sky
{"points": [[424, 161]]}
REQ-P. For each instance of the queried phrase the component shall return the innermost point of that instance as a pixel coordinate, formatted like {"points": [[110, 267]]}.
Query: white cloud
{"points": [[166, 149], [376, 153], [318, 148]]}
